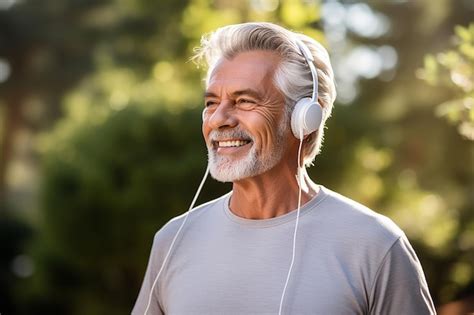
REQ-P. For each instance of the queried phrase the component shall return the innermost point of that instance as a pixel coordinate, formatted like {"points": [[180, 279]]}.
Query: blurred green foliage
{"points": [[454, 69], [125, 153], [14, 235]]}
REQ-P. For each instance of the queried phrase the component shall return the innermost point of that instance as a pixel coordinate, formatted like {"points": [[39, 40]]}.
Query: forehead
{"points": [[252, 69]]}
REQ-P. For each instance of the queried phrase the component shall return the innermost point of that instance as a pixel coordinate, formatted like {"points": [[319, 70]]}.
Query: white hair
{"points": [[293, 75]]}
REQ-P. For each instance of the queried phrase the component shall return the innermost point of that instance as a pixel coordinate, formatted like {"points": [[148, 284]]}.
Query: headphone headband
{"points": [[308, 56]]}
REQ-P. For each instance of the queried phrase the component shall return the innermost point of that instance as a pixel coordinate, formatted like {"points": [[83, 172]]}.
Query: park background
{"points": [[100, 113]]}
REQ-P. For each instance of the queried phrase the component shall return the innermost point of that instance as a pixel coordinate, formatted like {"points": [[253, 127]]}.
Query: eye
{"points": [[245, 101], [210, 103]]}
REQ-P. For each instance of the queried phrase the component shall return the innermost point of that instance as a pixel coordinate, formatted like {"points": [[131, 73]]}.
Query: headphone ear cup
{"points": [[306, 117]]}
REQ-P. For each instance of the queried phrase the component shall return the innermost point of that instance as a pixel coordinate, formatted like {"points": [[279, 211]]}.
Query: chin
{"points": [[229, 171], [224, 169]]}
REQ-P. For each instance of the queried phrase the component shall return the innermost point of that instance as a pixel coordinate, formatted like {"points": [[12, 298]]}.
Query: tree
{"points": [[453, 70]]}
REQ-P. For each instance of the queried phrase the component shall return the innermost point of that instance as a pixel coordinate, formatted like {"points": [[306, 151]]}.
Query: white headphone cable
{"points": [[300, 179], [175, 237]]}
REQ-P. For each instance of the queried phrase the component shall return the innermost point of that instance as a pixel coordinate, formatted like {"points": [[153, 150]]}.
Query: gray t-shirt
{"points": [[349, 260]]}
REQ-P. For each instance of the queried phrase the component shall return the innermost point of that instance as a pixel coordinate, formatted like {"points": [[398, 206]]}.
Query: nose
{"points": [[222, 116]]}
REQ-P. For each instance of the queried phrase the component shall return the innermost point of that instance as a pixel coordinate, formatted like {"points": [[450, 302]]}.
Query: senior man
{"points": [[278, 243]]}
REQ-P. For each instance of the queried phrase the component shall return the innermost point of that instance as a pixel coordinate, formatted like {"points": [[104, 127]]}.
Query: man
{"points": [[278, 243]]}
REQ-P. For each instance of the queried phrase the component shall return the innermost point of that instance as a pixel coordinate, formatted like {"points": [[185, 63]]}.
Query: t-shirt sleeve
{"points": [[400, 286], [144, 295]]}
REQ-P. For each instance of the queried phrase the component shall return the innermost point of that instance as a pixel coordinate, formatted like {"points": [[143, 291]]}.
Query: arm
{"points": [[400, 286], [144, 295]]}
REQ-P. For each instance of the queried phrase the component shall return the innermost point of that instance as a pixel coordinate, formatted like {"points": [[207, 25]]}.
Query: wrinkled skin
{"points": [[241, 96]]}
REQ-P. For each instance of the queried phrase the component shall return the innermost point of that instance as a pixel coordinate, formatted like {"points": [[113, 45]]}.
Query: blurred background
{"points": [[100, 140]]}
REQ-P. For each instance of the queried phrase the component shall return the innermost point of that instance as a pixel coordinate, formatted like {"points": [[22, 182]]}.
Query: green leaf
{"points": [[464, 33], [430, 63]]}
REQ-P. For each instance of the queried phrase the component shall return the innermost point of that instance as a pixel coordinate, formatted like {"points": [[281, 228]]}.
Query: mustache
{"points": [[216, 135]]}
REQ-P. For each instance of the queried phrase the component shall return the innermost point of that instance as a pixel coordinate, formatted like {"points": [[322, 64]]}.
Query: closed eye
{"points": [[210, 103], [245, 100]]}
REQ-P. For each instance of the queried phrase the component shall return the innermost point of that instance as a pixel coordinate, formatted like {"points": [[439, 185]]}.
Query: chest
{"points": [[246, 274]]}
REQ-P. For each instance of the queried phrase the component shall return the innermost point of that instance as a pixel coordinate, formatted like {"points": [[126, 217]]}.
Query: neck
{"points": [[271, 194]]}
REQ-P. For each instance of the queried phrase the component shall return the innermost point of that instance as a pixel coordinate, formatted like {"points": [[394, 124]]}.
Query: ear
{"points": [[308, 136]]}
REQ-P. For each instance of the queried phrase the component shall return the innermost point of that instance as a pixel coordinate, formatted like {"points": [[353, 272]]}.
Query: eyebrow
{"points": [[251, 92]]}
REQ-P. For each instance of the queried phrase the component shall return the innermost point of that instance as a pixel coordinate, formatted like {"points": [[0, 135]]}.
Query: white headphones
{"points": [[307, 114]]}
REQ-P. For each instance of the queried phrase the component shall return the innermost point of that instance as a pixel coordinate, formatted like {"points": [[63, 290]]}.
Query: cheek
{"points": [[267, 120]]}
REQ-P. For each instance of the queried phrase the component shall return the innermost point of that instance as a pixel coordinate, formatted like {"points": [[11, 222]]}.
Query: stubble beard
{"points": [[229, 169]]}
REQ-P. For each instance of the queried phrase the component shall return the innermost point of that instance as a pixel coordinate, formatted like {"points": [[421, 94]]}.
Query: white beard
{"points": [[230, 169]]}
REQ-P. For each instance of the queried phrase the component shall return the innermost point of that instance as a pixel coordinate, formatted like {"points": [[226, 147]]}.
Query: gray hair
{"points": [[293, 75]]}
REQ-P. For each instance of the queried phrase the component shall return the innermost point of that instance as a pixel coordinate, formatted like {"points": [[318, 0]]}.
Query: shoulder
{"points": [[358, 221], [166, 233]]}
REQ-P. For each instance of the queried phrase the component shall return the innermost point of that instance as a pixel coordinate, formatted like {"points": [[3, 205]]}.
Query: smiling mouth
{"points": [[230, 143]]}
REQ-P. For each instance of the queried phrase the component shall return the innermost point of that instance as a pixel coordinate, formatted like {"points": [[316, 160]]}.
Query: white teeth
{"points": [[236, 143]]}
